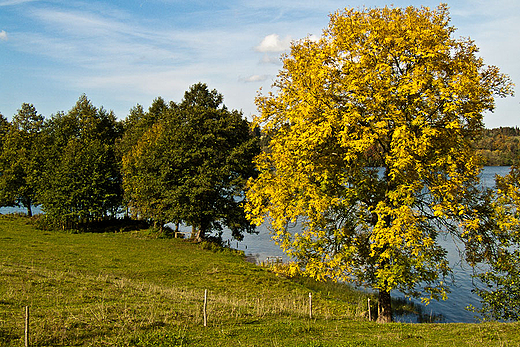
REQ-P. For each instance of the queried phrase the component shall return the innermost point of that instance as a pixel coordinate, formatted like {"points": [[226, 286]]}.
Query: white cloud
{"points": [[3, 35], [14, 2], [273, 43], [271, 59], [104, 43], [254, 78]]}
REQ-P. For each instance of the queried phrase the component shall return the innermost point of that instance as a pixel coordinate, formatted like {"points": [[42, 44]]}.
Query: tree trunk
{"points": [[26, 202], [161, 227], [384, 307], [200, 235], [196, 233]]}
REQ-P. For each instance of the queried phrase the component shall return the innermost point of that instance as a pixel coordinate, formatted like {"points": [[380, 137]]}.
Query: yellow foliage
{"points": [[387, 86]]}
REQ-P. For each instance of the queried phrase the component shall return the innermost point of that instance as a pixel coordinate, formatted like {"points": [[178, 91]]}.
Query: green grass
{"points": [[132, 289]]}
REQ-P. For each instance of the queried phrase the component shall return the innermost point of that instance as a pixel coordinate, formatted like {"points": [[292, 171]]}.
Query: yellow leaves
{"points": [[506, 204], [404, 230], [386, 87]]}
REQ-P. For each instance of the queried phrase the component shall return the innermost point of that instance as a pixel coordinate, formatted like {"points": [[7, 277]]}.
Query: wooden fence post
{"points": [[310, 305], [369, 313], [26, 326], [205, 306]]}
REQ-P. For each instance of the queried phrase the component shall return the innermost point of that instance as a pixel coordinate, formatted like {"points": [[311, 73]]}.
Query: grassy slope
{"points": [[126, 289]]}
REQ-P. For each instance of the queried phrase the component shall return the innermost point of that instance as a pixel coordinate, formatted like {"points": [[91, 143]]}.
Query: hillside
{"points": [[134, 289], [500, 146]]}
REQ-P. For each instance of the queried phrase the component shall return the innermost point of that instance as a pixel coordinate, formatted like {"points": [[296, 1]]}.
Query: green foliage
{"points": [[4, 124], [138, 122], [390, 84], [500, 295], [21, 160], [189, 162], [81, 182]]}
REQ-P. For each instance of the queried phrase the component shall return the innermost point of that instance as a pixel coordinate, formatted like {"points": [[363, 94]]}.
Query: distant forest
{"points": [[500, 146]]}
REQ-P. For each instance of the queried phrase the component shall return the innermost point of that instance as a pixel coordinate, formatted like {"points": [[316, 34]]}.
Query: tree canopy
{"points": [[81, 182], [389, 86], [21, 159], [189, 162]]}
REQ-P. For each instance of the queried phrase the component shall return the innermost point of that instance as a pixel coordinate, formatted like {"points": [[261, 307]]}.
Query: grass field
{"points": [[134, 289]]}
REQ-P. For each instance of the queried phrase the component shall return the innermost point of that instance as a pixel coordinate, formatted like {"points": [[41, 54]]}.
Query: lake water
{"points": [[452, 310]]}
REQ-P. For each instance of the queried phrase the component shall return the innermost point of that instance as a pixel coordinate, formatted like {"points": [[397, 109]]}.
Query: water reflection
{"points": [[406, 311]]}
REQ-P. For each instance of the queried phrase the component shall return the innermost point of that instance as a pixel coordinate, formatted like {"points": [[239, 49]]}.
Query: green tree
{"points": [[191, 165], [4, 124], [4, 128], [21, 159], [393, 86], [138, 122], [141, 166], [81, 181]]}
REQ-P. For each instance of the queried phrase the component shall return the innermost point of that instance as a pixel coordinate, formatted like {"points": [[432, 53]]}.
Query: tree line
{"points": [[386, 87], [500, 146], [183, 162]]}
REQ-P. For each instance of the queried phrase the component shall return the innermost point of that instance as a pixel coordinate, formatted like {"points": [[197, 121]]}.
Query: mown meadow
{"points": [[134, 288]]}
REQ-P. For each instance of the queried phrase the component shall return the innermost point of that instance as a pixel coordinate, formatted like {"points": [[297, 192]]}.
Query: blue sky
{"points": [[121, 53]]}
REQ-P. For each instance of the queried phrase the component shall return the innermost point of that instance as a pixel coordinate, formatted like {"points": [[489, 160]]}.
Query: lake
{"points": [[452, 310]]}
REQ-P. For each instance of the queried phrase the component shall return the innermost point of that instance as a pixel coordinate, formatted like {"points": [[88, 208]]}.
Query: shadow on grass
{"points": [[108, 225]]}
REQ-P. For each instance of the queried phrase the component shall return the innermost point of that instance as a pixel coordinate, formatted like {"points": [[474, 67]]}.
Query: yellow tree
{"points": [[390, 88], [499, 282]]}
